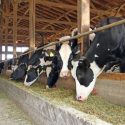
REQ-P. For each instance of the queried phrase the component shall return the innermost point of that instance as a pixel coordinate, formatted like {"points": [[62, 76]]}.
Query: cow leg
{"points": [[53, 77]]}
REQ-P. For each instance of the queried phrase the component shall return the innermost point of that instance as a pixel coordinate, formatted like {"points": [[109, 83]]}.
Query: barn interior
{"points": [[29, 23]]}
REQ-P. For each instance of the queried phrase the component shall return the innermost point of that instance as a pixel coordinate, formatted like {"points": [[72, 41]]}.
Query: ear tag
{"points": [[51, 54]]}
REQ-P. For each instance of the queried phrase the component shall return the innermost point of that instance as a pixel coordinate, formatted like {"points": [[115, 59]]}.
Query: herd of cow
{"points": [[106, 51]]}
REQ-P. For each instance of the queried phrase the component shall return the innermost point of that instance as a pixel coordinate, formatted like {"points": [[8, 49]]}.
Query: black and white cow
{"points": [[39, 62], [1, 67], [12, 64], [21, 70], [61, 64], [106, 50]]}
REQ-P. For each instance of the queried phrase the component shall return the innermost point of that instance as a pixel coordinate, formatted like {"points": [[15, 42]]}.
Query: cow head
{"points": [[65, 53], [35, 58], [33, 74], [20, 72], [34, 71], [85, 74]]}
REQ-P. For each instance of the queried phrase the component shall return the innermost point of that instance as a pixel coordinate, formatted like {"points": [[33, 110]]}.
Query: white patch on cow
{"points": [[96, 56], [108, 49], [14, 67], [98, 44], [48, 70], [80, 89], [42, 62], [92, 35], [65, 52], [96, 70]]}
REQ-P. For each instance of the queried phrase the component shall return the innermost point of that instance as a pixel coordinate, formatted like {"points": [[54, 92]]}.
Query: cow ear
{"points": [[58, 46], [74, 42], [84, 62]]}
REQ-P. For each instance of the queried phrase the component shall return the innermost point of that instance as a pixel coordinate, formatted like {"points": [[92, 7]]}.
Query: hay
{"points": [[95, 105]]}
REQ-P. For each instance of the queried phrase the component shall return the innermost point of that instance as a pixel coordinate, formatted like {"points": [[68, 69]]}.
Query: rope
{"points": [[74, 37]]}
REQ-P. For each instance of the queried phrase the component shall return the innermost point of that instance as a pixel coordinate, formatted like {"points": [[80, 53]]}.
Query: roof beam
{"points": [[37, 30], [54, 4], [47, 20]]}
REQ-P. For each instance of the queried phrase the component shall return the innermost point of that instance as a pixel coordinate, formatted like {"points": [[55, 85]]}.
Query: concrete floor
{"points": [[10, 114]]}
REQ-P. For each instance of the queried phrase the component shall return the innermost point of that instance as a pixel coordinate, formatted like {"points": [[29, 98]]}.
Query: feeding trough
{"points": [[58, 106]]}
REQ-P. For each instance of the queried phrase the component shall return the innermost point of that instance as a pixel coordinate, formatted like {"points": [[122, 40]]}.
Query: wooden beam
{"points": [[56, 4], [50, 23], [37, 30], [117, 13], [32, 23], [83, 20], [15, 8], [47, 20]]}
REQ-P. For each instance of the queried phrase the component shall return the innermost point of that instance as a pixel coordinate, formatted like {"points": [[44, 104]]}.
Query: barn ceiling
{"points": [[54, 18]]}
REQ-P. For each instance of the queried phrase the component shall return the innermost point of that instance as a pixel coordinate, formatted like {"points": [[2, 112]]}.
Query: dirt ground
{"points": [[10, 114]]}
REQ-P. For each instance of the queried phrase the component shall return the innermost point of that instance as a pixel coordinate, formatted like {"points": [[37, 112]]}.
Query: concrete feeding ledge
{"points": [[111, 86], [44, 112]]}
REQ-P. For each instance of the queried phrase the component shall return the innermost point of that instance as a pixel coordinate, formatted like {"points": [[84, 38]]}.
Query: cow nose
{"points": [[65, 74], [81, 98]]}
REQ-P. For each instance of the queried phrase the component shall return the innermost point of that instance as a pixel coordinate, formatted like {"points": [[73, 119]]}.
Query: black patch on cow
{"points": [[58, 46], [57, 61], [24, 59], [73, 43], [84, 73], [54, 74], [32, 74], [35, 58], [20, 72], [1, 66], [122, 66], [111, 42]]}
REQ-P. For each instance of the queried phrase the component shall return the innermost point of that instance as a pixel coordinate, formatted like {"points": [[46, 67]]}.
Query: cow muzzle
{"points": [[81, 98], [64, 74]]}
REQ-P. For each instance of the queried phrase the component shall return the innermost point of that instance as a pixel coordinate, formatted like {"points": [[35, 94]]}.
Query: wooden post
{"points": [[6, 35], [83, 20], [1, 38], [15, 7], [32, 23], [1, 33]]}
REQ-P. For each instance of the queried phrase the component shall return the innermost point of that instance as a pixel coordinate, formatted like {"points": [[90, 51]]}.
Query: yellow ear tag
{"points": [[51, 54]]}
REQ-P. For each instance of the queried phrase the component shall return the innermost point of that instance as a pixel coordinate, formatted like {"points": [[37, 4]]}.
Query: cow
{"points": [[12, 64], [1, 67], [21, 70], [106, 50], [33, 74], [39, 62], [61, 64]]}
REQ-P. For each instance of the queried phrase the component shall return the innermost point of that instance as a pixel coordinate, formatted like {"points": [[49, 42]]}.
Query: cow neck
{"points": [[93, 64]]}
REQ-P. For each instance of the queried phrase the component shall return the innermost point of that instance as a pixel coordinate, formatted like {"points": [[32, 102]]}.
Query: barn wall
{"points": [[112, 87]]}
